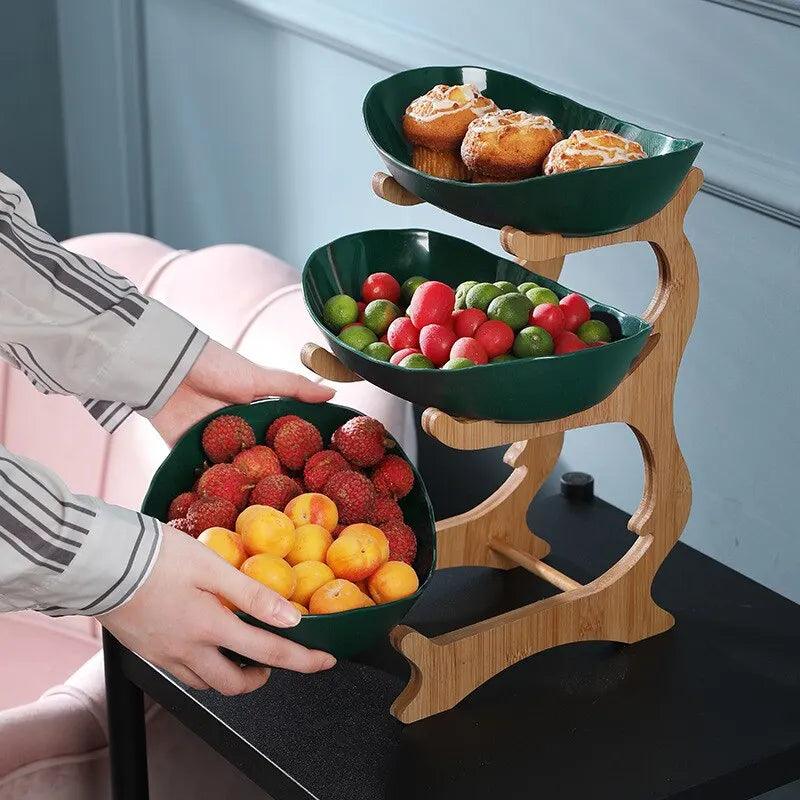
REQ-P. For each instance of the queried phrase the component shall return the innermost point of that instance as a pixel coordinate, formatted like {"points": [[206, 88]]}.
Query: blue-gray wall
{"points": [[31, 123], [254, 133]]}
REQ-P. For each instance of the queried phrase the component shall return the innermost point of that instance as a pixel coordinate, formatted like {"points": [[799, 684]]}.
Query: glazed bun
{"points": [[439, 119], [508, 145], [582, 149]]}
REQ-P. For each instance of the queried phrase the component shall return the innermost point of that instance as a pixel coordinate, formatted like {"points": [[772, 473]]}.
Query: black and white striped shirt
{"points": [[73, 326]]}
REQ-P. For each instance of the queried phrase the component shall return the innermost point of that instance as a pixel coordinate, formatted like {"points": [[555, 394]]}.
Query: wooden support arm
{"points": [[325, 364], [387, 188]]}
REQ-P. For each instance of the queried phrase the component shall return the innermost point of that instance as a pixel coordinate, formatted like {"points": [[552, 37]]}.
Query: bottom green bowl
{"points": [[349, 632]]}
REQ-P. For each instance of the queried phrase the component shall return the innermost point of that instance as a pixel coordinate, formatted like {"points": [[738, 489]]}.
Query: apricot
{"points": [[265, 530], [376, 533], [302, 609], [354, 557], [313, 508], [337, 595], [392, 581], [226, 544], [311, 543], [272, 572], [310, 576]]}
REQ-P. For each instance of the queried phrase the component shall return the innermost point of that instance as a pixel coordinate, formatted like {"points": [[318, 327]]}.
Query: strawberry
{"points": [[257, 462], [402, 541], [211, 512], [225, 436], [181, 524], [276, 425], [362, 441], [353, 494], [393, 476], [226, 482], [275, 491], [320, 467], [295, 441], [386, 509], [180, 505]]}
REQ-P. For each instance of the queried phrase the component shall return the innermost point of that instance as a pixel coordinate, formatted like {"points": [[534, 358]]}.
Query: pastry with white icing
{"points": [[583, 149], [435, 124], [508, 145]]}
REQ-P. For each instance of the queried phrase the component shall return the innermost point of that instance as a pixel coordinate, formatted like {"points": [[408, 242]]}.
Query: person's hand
{"points": [[220, 377], [176, 621]]}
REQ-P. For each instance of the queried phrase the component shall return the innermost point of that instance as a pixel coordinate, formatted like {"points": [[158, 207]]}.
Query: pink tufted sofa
{"points": [[53, 733]]}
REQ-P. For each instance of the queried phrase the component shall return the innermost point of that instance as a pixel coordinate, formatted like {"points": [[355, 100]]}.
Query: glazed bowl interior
{"points": [[522, 390], [584, 202], [345, 633]]}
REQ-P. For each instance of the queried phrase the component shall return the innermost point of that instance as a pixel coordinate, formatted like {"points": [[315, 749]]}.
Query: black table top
{"points": [[710, 709]]}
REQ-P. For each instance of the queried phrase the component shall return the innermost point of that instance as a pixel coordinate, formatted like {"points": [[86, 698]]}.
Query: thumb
{"points": [[288, 384], [253, 597]]}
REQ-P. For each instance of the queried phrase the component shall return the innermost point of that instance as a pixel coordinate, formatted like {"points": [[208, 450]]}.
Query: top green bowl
{"points": [[581, 203], [348, 632]]}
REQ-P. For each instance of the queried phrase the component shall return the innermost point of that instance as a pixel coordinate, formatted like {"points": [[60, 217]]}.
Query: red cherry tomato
{"points": [[576, 311], [401, 354], [569, 342], [435, 342], [432, 303], [467, 320], [402, 333], [550, 317], [496, 337], [467, 347], [380, 286]]}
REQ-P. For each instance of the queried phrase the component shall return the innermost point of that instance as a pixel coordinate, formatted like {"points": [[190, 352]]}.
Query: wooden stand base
{"points": [[616, 606]]}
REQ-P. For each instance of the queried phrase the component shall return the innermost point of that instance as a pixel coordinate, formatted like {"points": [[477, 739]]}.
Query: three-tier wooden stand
{"points": [[616, 606]]}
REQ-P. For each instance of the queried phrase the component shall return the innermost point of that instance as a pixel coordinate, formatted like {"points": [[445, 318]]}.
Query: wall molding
{"points": [[105, 115], [735, 172], [787, 11]]}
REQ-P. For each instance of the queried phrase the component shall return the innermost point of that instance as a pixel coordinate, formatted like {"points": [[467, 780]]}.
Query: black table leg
{"points": [[126, 732]]}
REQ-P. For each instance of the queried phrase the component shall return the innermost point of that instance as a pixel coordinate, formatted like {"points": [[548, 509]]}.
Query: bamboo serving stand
{"points": [[617, 605]]}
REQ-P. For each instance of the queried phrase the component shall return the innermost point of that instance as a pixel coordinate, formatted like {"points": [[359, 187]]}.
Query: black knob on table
{"points": [[577, 486]]}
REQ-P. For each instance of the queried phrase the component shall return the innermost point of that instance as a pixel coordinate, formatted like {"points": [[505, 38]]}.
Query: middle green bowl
{"points": [[524, 390]]}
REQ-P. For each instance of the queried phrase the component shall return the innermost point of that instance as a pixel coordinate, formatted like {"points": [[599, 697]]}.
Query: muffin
{"points": [[508, 145], [582, 149], [436, 123]]}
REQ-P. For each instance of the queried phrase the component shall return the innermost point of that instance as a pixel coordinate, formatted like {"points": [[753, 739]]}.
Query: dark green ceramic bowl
{"points": [[349, 632], [524, 390], [580, 203]]}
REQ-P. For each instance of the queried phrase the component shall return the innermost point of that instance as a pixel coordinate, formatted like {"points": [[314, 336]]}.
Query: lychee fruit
{"points": [[226, 436], [211, 512], [181, 524], [276, 425], [295, 441], [385, 510], [275, 491], [402, 541], [337, 530], [393, 476], [353, 494], [257, 462], [180, 505], [362, 441], [320, 467], [226, 482]]}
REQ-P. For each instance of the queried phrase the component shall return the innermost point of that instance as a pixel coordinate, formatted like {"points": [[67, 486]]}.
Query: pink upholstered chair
{"points": [[52, 707]]}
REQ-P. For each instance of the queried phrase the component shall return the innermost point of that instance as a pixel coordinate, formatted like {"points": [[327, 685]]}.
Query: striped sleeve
{"points": [[67, 554], [73, 326]]}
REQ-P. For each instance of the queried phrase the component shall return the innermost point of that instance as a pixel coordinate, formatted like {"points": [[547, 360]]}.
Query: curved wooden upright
{"points": [[616, 606]]}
